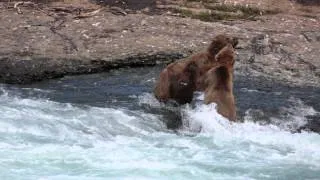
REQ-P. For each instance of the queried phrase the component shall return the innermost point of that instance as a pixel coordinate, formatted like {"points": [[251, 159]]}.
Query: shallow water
{"points": [[109, 126]]}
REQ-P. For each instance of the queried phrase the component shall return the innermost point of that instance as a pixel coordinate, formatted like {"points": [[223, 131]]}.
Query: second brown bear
{"points": [[219, 84]]}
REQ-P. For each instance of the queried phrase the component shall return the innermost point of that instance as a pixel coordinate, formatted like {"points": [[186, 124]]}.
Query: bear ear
{"points": [[226, 54]]}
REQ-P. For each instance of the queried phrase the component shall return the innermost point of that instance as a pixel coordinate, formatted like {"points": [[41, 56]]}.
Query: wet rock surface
{"points": [[46, 41]]}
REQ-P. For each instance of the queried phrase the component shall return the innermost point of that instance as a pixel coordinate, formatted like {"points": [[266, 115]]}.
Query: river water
{"points": [[109, 126]]}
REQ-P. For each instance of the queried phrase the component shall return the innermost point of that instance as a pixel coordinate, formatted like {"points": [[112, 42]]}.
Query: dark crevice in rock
{"points": [[57, 25]]}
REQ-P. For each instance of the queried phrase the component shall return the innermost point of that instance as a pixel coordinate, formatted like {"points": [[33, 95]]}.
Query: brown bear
{"points": [[180, 79], [177, 85], [219, 84]]}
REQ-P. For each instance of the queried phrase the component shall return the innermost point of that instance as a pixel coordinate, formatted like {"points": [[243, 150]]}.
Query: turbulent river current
{"points": [[109, 126]]}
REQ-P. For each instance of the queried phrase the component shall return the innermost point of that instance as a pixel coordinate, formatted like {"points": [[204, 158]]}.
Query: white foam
{"points": [[51, 140], [204, 118], [294, 117], [149, 99], [65, 122], [267, 142]]}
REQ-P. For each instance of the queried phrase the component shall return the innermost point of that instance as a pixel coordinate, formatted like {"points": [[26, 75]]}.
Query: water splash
{"points": [[43, 139]]}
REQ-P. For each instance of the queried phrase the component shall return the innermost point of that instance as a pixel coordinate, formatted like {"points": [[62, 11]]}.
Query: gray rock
{"points": [[36, 46]]}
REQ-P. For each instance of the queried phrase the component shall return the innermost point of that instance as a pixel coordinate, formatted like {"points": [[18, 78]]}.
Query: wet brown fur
{"points": [[219, 84], [180, 79]]}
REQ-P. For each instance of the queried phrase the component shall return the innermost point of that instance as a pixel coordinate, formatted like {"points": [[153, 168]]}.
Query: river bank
{"points": [[44, 41]]}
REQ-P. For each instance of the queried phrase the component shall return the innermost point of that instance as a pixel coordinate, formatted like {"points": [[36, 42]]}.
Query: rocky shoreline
{"points": [[52, 40], [26, 71]]}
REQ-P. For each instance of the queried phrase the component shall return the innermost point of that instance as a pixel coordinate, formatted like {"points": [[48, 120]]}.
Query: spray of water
{"points": [[43, 139]]}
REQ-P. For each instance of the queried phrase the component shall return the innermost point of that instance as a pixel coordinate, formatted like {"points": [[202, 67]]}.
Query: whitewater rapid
{"points": [[44, 139]]}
